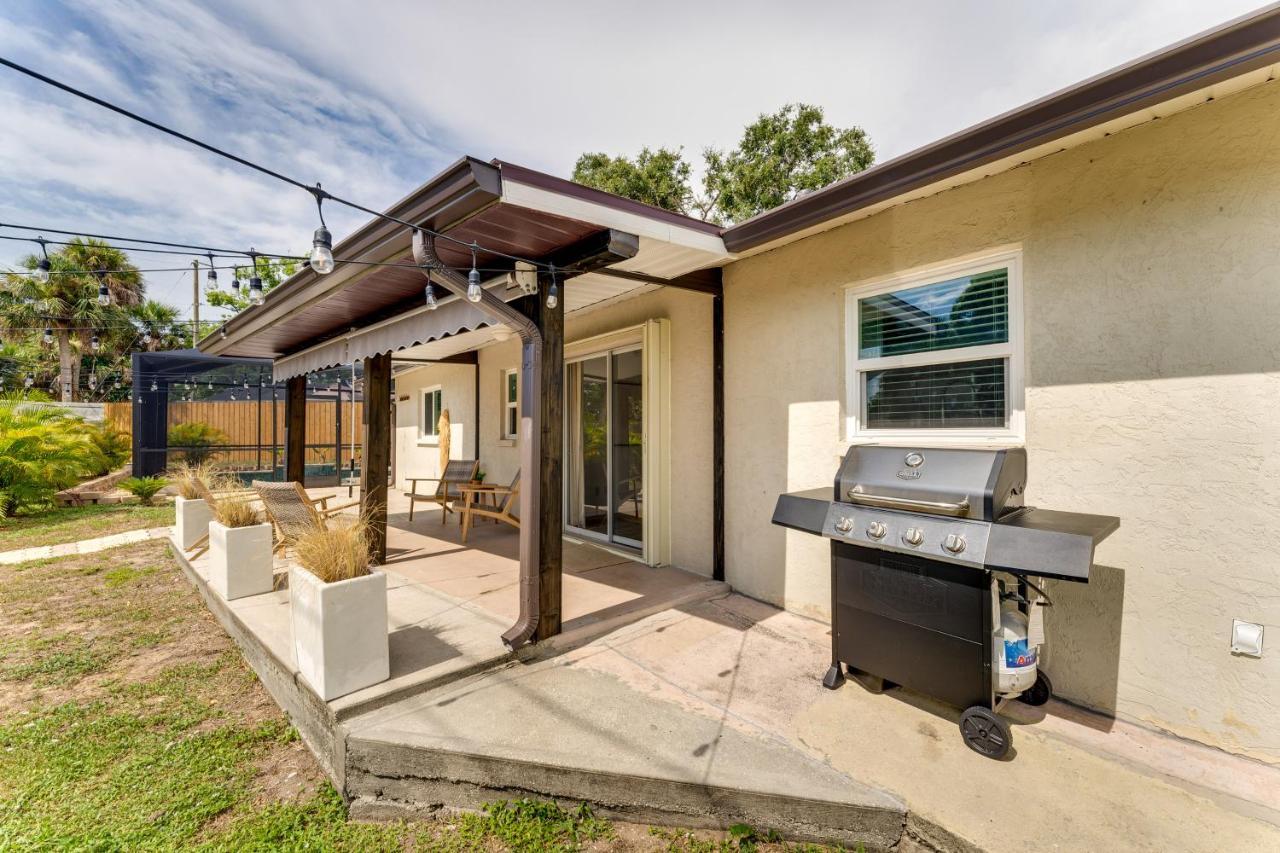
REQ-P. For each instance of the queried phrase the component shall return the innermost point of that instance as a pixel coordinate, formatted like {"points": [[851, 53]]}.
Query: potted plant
{"points": [[191, 512], [339, 610], [240, 561]]}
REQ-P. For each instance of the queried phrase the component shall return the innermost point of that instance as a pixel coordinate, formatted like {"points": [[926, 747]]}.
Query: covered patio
{"points": [[401, 298]]}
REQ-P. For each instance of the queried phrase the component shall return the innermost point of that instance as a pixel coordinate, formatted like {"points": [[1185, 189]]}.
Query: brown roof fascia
{"points": [[1235, 48]]}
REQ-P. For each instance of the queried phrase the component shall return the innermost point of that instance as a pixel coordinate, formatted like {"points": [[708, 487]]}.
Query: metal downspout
{"points": [[526, 626]]}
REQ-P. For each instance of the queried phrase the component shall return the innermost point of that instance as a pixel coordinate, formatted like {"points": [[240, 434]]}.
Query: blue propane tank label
{"points": [[1018, 654]]}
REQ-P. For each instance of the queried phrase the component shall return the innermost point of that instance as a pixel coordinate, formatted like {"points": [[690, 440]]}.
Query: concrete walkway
{"points": [[84, 546]]}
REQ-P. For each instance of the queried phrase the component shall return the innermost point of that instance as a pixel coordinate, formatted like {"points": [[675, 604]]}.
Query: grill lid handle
{"points": [[858, 496]]}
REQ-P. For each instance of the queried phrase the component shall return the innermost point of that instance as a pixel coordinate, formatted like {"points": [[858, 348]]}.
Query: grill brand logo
{"points": [[910, 474], [913, 461]]}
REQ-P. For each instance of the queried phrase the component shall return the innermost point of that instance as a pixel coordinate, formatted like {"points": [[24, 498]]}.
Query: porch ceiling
{"points": [[507, 210]]}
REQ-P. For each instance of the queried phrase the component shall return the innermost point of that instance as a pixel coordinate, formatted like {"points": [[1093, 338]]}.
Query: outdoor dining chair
{"points": [[448, 486], [504, 507], [292, 511]]}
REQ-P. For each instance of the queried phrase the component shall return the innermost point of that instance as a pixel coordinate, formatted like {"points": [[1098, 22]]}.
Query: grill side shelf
{"points": [[1048, 543], [806, 511]]}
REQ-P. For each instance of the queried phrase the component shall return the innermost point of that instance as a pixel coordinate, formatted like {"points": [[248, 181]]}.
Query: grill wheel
{"points": [[985, 733]]}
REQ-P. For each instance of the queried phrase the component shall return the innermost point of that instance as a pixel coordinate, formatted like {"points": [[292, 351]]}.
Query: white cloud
{"points": [[374, 98]]}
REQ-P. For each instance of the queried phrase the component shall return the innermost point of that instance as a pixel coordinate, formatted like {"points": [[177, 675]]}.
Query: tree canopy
{"points": [[271, 271], [779, 156]]}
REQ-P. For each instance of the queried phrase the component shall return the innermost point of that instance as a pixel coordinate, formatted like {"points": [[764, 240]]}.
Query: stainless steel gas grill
{"points": [[935, 575]]}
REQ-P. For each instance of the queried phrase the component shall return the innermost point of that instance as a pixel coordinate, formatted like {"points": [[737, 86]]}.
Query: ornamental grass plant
{"points": [[338, 551]]}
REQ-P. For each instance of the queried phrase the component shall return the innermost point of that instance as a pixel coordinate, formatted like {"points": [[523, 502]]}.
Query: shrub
{"points": [[116, 446], [42, 451], [196, 440], [337, 552], [144, 488], [234, 507], [188, 477]]}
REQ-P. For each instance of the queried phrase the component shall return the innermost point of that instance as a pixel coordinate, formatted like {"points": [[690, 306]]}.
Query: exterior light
{"points": [[235, 281], [430, 292], [95, 342], [28, 381], [146, 338], [321, 259], [223, 332], [154, 386], [104, 295], [322, 251], [474, 292], [93, 382], [255, 283], [48, 335], [553, 294], [42, 266], [212, 277]]}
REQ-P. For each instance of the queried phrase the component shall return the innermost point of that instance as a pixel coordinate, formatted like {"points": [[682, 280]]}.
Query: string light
{"points": [[154, 386], [255, 283], [95, 342], [430, 291], [553, 294], [321, 258], [48, 335], [146, 338], [212, 276], [43, 266], [93, 382], [474, 292], [104, 292], [28, 381]]}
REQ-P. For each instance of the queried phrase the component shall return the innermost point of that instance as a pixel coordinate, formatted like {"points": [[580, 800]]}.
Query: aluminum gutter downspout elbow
{"points": [[526, 626]]}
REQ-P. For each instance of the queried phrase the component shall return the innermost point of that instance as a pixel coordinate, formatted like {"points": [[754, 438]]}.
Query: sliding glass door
{"points": [[604, 459]]}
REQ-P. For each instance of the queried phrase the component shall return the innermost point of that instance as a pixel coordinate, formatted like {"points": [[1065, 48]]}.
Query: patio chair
{"points": [[505, 512], [448, 486], [292, 511]]}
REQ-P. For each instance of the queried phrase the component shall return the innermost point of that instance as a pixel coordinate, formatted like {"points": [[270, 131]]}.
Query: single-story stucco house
{"points": [[1117, 249]]}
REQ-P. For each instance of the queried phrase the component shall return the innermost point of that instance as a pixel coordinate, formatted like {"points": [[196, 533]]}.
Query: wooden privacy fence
{"points": [[249, 428]]}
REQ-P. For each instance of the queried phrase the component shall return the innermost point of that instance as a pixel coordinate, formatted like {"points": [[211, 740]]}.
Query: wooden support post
{"points": [[377, 451], [295, 430]]}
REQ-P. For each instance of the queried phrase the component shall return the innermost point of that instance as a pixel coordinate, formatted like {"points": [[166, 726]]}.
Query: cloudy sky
{"points": [[373, 98]]}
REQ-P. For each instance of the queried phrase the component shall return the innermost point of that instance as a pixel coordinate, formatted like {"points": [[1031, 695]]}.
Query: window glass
{"points": [[431, 412], [937, 396], [972, 310]]}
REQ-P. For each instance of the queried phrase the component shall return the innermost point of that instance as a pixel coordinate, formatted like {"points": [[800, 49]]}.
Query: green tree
{"points": [[780, 156], [42, 450], [660, 178], [67, 304], [163, 323], [272, 271]]}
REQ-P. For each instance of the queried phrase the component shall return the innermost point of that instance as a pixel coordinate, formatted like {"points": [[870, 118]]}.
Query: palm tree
{"points": [[161, 322], [67, 304]]}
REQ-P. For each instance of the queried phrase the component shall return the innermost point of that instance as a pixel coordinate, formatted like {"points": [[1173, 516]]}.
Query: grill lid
{"points": [[974, 483]]}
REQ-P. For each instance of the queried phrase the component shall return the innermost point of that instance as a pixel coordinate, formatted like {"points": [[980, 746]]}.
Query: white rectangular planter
{"points": [[240, 560], [191, 517], [340, 631]]}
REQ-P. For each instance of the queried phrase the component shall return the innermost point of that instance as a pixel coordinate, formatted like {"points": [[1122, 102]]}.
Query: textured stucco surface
{"points": [[1152, 309], [419, 457], [691, 440]]}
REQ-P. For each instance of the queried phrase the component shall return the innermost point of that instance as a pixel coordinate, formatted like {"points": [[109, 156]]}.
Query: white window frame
{"points": [[428, 433], [509, 405], [1008, 257]]}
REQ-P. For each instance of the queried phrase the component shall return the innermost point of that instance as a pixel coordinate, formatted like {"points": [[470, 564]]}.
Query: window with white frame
{"points": [[432, 406], [510, 403], [937, 352]]}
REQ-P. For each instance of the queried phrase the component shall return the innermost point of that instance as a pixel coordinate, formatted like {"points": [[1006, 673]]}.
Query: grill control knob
{"points": [[913, 536], [845, 524], [954, 543], [876, 530]]}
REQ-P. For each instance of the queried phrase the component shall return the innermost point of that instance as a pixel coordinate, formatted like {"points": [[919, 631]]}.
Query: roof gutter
{"points": [[1246, 44]]}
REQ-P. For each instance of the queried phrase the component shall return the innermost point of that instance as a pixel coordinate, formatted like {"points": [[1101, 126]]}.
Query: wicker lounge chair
{"points": [[292, 511], [506, 504], [448, 486]]}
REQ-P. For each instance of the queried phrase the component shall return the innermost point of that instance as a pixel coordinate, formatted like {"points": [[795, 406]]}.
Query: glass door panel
{"points": [[589, 446], [627, 441]]}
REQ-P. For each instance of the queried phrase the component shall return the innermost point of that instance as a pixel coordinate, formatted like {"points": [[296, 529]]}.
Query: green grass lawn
{"points": [[129, 721], [71, 523]]}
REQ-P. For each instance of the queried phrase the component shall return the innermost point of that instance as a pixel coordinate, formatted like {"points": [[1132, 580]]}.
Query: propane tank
{"points": [[1015, 656]]}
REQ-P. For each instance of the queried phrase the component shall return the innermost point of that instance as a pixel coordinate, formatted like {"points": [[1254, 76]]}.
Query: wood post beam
{"points": [[295, 429], [376, 460]]}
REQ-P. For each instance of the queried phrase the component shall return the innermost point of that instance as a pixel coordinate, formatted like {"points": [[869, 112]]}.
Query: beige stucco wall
{"points": [[1152, 290], [690, 440], [417, 456]]}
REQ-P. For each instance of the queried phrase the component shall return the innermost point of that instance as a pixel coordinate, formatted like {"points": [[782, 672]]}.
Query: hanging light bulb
{"points": [[212, 276], [95, 342], [104, 292], [553, 294], [209, 387], [233, 395], [93, 382], [246, 385], [154, 386], [430, 293], [255, 283], [146, 335], [235, 280], [321, 259], [223, 332], [474, 292], [48, 335], [28, 381], [43, 266]]}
